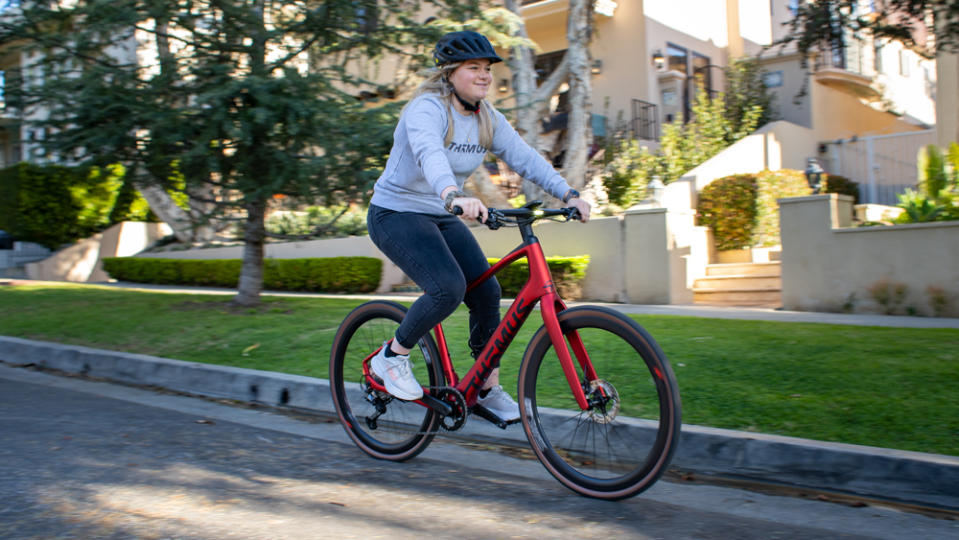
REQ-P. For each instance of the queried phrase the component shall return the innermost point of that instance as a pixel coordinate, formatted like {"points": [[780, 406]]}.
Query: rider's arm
{"points": [[426, 124]]}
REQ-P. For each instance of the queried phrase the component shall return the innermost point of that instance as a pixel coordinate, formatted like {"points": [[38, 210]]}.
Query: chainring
{"points": [[455, 399]]}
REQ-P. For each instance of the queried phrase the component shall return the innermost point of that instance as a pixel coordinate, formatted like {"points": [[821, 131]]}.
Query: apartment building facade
{"points": [[650, 55]]}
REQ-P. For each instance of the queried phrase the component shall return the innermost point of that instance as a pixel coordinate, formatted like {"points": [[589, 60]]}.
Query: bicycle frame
{"points": [[538, 288]]}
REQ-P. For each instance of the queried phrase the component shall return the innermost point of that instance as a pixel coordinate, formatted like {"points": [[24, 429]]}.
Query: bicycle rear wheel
{"points": [[402, 429], [624, 442]]}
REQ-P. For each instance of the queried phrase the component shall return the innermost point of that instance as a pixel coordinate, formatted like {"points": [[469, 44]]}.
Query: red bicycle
{"points": [[598, 399]]}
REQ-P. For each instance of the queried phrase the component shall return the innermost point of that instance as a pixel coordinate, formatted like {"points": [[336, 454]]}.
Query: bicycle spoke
{"points": [[381, 425], [621, 444]]}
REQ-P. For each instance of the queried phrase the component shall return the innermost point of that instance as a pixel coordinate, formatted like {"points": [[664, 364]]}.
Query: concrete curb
{"points": [[912, 478]]}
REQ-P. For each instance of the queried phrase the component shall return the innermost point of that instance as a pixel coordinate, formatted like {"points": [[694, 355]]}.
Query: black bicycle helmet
{"points": [[462, 46]]}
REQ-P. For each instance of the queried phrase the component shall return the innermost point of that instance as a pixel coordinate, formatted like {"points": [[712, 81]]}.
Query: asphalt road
{"points": [[85, 459]]}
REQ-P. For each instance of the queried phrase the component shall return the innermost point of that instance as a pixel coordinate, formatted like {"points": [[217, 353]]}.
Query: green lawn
{"points": [[891, 387]]}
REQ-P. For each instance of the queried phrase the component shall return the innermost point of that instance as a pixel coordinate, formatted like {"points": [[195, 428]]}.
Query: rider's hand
{"points": [[473, 208], [582, 206]]}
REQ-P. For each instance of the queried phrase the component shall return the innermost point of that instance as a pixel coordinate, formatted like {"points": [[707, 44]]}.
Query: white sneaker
{"points": [[500, 403], [397, 374]]}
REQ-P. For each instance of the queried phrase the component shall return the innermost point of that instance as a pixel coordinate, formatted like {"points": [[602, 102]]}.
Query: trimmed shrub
{"points": [[771, 186], [841, 185], [728, 207], [37, 205], [567, 273], [742, 209], [328, 274], [54, 205]]}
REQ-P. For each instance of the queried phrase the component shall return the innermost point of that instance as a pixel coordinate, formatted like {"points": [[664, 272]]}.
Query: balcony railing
{"points": [[645, 122]]}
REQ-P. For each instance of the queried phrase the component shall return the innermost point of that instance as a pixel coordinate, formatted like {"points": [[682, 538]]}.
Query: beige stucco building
{"points": [[649, 55]]}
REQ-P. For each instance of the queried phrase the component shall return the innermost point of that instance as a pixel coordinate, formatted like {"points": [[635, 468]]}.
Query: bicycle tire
{"points": [[603, 452], [404, 429]]}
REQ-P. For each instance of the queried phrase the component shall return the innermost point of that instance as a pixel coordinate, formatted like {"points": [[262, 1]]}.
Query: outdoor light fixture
{"points": [[604, 7], [597, 67], [659, 61], [814, 173], [503, 85], [655, 189]]}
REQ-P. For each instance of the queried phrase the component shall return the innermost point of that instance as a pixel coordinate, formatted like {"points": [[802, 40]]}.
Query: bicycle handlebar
{"points": [[527, 214]]}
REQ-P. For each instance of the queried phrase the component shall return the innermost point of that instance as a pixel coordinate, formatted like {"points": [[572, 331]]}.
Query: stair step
{"points": [[747, 282], [741, 269], [751, 298]]}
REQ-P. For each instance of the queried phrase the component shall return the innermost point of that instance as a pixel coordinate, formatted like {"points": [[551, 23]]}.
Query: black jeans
{"points": [[440, 254]]}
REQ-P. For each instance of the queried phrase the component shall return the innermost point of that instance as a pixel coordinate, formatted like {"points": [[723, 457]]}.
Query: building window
{"points": [[904, 61], [877, 56], [701, 72], [366, 17], [677, 58], [546, 63], [773, 79]]}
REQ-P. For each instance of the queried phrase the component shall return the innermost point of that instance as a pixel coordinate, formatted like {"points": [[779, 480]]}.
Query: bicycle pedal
{"points": [[490, 416]]}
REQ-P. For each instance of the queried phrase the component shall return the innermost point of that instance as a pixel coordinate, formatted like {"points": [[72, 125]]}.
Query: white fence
{"points": [[883, 165]]}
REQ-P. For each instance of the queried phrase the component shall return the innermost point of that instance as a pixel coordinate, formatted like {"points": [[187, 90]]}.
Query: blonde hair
{"points": [[438, 82]]}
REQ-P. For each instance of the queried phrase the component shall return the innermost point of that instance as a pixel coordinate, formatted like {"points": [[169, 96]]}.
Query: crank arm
{"points": [[437, 405]]}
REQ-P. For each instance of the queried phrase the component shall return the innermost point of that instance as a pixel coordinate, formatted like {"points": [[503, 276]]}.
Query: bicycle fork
{"points": [[551, 321]]}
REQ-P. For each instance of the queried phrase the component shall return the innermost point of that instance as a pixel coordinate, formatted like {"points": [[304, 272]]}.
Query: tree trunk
{"points": [[251, 272], [188, 226], [166, 209], [484, 188], [578, 133], [254, 229], [532, 101]]}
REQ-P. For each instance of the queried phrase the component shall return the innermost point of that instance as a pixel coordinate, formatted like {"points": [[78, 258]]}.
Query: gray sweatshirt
{"points": [[420, 166]]}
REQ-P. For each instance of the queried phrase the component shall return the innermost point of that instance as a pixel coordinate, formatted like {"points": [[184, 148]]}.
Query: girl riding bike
{"points": [[442, 137]]}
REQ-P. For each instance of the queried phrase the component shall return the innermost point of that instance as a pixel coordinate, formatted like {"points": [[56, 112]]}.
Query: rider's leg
{"points": [[483, 302], [415, 244]]}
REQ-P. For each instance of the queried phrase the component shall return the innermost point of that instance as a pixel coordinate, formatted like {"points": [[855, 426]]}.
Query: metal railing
{"points": [[883, 165], [645, 121]]}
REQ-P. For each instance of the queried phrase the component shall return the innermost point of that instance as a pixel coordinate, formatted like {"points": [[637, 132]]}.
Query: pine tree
{"points": [[238, 100]]}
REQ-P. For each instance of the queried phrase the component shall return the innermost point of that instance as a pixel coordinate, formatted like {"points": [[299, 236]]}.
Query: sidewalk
{"points": [[713, 312]]}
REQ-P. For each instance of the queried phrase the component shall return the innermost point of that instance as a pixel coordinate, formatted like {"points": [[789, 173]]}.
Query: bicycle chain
{"points": [[436, 391]]}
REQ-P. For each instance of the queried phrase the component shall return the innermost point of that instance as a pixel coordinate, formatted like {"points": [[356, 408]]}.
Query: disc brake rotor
{"points": [[604, 401]]}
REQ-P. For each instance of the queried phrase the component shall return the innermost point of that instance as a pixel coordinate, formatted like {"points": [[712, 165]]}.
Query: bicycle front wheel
{"points": [[624, 441], [381, 425]]}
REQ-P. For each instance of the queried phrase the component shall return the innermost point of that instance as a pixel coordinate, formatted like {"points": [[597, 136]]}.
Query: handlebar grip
{"points": [[574, 214], [457, 211]]}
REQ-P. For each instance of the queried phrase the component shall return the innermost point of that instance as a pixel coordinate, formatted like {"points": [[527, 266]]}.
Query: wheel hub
{"points": [[603, 401]]}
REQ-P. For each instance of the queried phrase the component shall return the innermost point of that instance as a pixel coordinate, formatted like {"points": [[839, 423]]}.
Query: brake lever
{"points": [[492, 222]]}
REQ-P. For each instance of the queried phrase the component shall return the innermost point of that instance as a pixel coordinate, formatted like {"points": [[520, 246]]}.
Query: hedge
{"points": [[742, 209], [772, 186], [327, 274], [834, 183], [567, 273], [36, 204], [55, 205], [728, 207]]}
